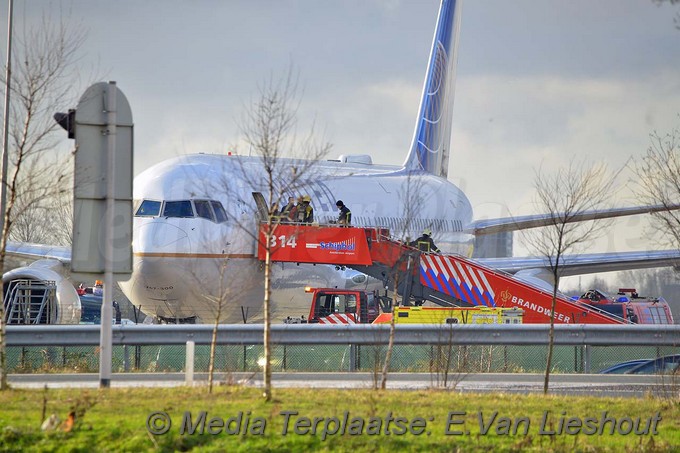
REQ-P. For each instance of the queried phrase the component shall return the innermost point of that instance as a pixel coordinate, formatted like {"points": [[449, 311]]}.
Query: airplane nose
{"points": [[157, 283], [159, 236], [159, 286]]}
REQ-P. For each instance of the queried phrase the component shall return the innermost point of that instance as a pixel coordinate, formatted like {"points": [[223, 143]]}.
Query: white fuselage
{"points": [[189, 266]]}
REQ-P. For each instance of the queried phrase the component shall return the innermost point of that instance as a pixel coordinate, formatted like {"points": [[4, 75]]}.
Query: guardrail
{"points": [[355, 334]]}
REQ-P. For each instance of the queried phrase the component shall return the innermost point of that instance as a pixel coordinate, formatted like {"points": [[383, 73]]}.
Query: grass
{"points": [[116, 420]]}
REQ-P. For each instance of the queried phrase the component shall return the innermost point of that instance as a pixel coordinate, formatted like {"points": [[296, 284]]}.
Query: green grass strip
{"points": [[237, 419]]}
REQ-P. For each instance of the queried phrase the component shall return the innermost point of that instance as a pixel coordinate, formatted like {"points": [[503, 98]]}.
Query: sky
{"points": [[538, 81]]}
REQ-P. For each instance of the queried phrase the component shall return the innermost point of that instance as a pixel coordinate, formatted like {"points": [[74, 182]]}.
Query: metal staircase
{"points": [[448, 280], [31, 302]]}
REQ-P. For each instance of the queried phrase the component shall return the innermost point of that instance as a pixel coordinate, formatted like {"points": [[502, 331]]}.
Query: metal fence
{"points": [[418, 348]]}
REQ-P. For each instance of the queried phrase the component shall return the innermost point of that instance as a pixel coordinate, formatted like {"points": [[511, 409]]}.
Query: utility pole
{"points": [[3, 196], [5, 128], [105, 340]]}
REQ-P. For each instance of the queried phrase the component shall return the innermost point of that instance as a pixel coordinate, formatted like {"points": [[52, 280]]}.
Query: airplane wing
{"points": [[39, 251], [499, 225], [588, 263]]}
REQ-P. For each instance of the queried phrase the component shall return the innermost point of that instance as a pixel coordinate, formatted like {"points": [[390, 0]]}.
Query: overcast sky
{"points": [[538, 80]]}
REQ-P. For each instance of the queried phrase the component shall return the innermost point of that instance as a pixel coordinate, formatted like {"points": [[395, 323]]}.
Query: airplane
{"points": [[196, 219]]}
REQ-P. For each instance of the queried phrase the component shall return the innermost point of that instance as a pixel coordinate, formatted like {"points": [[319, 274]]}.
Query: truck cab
{"points": [[630, 306], [338, 306]]}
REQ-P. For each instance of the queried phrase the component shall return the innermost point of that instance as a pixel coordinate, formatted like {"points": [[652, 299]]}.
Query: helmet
{"points": [[306, 198], [427, 231], [339, 203]]}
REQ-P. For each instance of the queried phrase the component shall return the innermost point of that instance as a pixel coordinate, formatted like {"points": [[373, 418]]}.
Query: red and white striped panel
{"points": [[460, 272], [337, 318]]}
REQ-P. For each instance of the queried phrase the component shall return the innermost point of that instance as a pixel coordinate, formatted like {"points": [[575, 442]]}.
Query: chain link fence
{"points": [[331, 358]]}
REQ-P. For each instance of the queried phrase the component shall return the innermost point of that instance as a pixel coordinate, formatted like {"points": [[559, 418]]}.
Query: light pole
{"points": [[3, 195], [5, 128]]}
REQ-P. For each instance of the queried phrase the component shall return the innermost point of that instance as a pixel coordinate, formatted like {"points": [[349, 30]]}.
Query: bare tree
{"points": [[281, 165], [411, 197], [658, 183], [60, 210], [219, 296], [571, 191], [44, 214], [396, 302], [219, 303], [41, 83]]}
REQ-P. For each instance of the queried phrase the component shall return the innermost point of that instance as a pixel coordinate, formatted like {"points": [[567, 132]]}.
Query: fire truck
{"points": [[339, 306], [450, 281], [630, 306]]}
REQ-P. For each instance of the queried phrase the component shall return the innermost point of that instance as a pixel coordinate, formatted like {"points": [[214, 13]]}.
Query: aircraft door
{"points": [[262, 208]]}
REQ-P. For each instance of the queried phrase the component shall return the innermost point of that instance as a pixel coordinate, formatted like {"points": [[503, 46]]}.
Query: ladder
{"points": [[31, 302], [444, 279]]}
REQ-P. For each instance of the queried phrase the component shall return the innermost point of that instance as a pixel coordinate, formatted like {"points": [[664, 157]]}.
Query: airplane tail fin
{"points": [[432, 135]]}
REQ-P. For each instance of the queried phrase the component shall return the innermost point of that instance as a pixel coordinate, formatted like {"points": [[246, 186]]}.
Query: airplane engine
{"points": [[68, 307]]}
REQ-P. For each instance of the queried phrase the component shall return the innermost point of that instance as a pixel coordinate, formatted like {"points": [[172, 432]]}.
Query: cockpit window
{"points": [[203, 209], [178, 209], [220, 214], [149, 208]]}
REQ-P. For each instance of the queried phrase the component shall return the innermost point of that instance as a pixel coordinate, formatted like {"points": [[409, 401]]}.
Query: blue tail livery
{"points": [[431, 139]]}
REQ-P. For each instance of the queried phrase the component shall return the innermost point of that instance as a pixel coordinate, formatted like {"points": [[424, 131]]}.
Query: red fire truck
{"points": [[630, 306], [338, 306], [449, 280]]}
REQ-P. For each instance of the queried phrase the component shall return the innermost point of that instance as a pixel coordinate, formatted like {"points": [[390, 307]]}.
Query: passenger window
{"points": [[149, 208], [178, 209], [203, 209], [220, 214]]}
